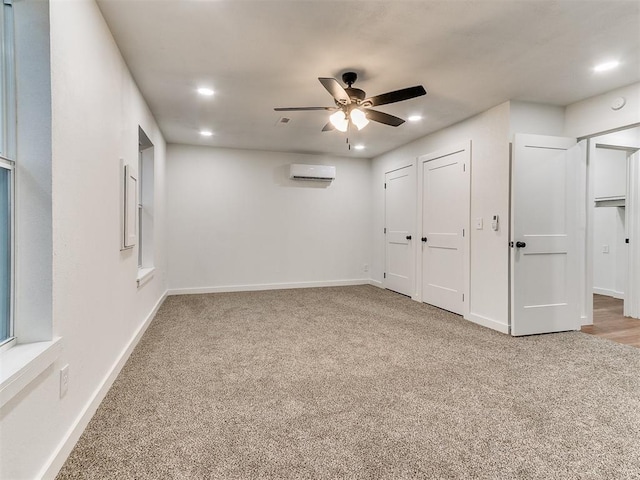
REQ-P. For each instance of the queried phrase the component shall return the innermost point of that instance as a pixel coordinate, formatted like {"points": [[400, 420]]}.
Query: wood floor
{"points": [[608, 322]]}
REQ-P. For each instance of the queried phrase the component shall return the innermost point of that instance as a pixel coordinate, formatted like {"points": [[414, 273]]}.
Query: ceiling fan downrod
{"points": [[349, 78]]}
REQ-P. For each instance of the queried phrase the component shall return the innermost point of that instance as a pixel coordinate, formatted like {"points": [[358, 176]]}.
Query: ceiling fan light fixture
{"points": [[339, 120], [359, 118]]}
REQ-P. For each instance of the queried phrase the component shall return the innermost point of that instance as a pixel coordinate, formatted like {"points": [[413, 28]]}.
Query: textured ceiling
{"points": [[469, 55]]}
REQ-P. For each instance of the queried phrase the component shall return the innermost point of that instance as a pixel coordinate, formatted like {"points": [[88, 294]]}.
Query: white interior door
{"points": [[632, 293], [445, 218], [399, 202], [547, 228]]}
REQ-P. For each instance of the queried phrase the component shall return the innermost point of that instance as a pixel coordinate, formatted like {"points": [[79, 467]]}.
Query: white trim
{"points": [[488, 322], [6, 163], [22, 363], [267, 286], [70, 438], [7, 344], [144, 275], [376, 283], [608, 293]]}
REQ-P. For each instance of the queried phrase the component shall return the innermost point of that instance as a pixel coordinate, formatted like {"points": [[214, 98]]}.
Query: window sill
{"points": [[22, 363], [144, 275]]}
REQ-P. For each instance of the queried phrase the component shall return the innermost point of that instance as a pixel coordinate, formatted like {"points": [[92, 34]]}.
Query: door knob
{"points": [[424, 239], [520, 244], [408, 237]]}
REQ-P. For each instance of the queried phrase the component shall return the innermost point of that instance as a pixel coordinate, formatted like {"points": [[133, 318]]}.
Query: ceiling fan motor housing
{"points": [[355, 93], [349, 78]]}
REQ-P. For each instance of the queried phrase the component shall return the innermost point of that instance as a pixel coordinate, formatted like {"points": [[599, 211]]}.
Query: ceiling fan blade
{"points": [[328, 127], [296, 109], [382, 117], [335, 89], [396, 96]]}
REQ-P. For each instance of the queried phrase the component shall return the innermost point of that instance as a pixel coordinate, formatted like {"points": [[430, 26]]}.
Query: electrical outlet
{"points": [[64, 380], [366, 267], [605, 249], [479, 223]]}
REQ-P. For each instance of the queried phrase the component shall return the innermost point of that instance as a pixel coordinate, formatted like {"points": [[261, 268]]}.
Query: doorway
{"points": [[610, 323], [612, 211]]}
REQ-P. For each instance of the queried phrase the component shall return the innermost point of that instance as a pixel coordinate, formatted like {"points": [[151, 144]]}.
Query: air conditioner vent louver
{"points": [[325, 173]]}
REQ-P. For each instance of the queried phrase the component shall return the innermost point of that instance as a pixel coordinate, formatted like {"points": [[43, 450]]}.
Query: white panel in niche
{"points": [[610, 173], [129, 206]]}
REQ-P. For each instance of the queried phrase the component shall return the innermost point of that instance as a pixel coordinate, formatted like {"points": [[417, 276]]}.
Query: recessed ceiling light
{"points": [[359, 147], [205, 92], [415, 118], [603, 67], [206, 133]]}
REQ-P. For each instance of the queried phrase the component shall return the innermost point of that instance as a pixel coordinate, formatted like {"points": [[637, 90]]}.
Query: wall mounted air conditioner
{"points": [[312, 172]]}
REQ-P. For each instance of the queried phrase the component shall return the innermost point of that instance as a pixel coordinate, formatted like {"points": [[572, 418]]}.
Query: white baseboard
{"points": [[488, 322], [267, 286], [608, 293], [375, 283], [53, 466]]}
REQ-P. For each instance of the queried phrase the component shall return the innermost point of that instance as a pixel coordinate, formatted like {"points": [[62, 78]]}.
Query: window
{"points": [[6, 330], [145, 207], [29, 345], [7, 157]]}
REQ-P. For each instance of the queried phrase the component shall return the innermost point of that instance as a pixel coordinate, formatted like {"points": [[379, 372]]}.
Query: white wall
{"points": [[97, 309], [628, 138], [238, 221], [535, 118], [595, 115], [489, 280], [610, 267]]}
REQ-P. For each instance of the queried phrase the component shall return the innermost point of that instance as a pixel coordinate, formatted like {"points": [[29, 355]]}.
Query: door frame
{"points": [[413, 227], [466, 260], [587, 287]]}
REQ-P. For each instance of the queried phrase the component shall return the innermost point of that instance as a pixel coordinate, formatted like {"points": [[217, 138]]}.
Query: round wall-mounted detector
{"points": [[618, 103]]}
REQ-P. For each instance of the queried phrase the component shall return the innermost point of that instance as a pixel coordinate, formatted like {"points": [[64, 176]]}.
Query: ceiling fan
{"points": [[352, 106]]}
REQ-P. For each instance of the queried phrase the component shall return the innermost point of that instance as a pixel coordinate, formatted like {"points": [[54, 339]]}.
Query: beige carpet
{"points": [[357, 382]]}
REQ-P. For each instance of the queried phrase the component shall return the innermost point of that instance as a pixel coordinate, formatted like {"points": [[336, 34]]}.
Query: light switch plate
{"points": [[479, 223]]}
